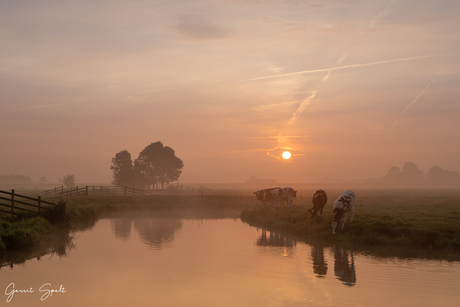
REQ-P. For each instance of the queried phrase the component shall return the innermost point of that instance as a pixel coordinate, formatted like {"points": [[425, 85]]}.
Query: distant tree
{"points": [[411, 174], [453, 177], [157, 164], [439, 176], [15, 179], [68, 181], [393, 175], [43, 180], [436, 174], [122, 167]]}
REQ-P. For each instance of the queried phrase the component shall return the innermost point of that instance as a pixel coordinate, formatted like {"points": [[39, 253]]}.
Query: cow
{"points": [[342, 206], [275, 195], [319, 200], [266, 195], [286, 195]]}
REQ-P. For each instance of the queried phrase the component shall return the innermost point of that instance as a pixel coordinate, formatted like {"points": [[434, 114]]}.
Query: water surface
{"points": [[163, 261]]}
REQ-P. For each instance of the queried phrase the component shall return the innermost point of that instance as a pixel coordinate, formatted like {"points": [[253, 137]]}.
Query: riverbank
{"points": [[425, 220], [384, 219]]}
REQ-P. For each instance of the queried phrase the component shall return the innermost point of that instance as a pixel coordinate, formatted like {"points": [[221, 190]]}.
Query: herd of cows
{"points": [[343, 206]]}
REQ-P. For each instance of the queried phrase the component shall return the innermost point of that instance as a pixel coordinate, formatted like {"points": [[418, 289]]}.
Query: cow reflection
{"points": [[319, 262], [121, 227], [344, 266], [277, 240], [157, 233]]}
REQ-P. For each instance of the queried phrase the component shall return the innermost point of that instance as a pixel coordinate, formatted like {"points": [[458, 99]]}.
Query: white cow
{"points": [[288, 194], [342, 206], [268, 195], [284, 195]]}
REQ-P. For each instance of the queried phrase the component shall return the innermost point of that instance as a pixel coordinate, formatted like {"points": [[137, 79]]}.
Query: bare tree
{"points": [[68, 181]]}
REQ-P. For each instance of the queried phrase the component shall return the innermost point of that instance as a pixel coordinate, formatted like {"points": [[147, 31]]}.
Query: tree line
{"points": [[19, 179], [410, 174], [156, 165]]}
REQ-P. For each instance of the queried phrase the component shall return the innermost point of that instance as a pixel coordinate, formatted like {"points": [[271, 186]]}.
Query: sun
{"points": [[286, 155]]}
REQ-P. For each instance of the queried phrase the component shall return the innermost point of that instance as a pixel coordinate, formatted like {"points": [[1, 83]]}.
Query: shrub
{"points": [[57, 213]]}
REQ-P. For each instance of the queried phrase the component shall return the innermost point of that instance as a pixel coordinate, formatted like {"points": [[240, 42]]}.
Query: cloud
{"points": [[196, 28]]}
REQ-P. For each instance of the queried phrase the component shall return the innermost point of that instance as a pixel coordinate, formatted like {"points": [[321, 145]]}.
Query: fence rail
{"points": [[14, 201], [96, 190]]}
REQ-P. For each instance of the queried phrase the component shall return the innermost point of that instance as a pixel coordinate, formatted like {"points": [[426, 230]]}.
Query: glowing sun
{"points": [[286, 155]]}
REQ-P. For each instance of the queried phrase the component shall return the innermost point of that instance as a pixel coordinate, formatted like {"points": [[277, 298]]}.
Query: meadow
{"points": [[402, 222]]}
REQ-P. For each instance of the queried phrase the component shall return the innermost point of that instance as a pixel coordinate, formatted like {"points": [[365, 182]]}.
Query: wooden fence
{"points": [[96, 190], [20, 203]]}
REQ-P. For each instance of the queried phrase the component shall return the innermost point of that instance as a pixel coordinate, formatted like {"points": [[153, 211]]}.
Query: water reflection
{"points": [[319, 262], [157, 233], [121, 227], [275, 239], [344, 265], [59, 243]]}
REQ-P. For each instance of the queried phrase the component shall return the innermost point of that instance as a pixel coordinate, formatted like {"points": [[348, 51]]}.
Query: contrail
{"points": [[308, 100], [342, 58], [345, 67], [302, 107], [416, 98], [339, 61], [327, 76], [38, 107], [381, 15]]}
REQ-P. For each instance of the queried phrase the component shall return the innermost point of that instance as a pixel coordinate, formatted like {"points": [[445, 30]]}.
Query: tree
{"points": [[393, 175], [43, 180], [439, 176], [157, 164], [68, 181], [436, 174], [411, 174], [122, 167]]}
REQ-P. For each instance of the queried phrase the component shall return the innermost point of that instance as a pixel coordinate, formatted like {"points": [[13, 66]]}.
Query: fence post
{"points": [[12, 202], [86, 190], [125, 190], [39, 204]]}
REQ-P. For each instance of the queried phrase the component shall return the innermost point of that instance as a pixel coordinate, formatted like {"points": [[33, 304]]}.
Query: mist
{"points": [[353, 88]]}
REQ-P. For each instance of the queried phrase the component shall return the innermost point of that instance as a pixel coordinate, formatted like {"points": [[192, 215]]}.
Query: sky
{"points": [[350, 88]]}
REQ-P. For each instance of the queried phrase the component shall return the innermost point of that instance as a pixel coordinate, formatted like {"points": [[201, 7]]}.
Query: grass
{"points": [[22, 233], [427, 220]]}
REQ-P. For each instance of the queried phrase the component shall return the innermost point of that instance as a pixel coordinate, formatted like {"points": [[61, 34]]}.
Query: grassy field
{"points": [[389, 220]]}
